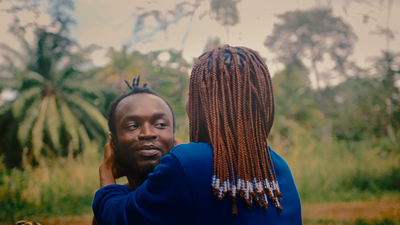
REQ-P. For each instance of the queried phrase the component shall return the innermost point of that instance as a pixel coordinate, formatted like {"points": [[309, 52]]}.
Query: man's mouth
{"points": [[148, 150]]}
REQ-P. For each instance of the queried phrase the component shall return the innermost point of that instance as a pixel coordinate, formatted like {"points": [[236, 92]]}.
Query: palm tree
{"points": [[54, 113]]}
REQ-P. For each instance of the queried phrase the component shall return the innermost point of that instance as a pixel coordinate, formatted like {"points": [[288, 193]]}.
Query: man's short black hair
{"points": [[135, 89]]}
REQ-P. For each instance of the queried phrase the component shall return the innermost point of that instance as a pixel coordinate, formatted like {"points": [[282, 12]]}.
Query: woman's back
{"points": [[197, 162]]}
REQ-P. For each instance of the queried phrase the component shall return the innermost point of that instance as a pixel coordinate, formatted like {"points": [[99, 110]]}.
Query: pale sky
{"points": [[109, 23]]}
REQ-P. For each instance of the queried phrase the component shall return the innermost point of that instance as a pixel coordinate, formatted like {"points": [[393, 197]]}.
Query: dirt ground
{"points": [[352, 210], [334, 211]]}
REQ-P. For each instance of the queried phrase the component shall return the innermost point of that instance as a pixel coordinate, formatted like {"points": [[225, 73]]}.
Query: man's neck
{"points": [[135, 181]]}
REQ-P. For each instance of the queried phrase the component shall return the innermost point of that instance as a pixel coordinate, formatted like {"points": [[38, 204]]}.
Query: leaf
{"points": [[317, 113], [19, 103], [37, 132], [24, 43], [31, 75], [70, 124], [5, 108], [9, 83], [53, 123], [92, 112], [86, 87], [7, 48], [84, 136], [25, 126]]}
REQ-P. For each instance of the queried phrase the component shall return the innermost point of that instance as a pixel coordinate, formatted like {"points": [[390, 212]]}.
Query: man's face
{"points": [[144, 132]]}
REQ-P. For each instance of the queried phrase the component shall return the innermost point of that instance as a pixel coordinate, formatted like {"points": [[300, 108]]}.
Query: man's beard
{"points": [[132, 167]]}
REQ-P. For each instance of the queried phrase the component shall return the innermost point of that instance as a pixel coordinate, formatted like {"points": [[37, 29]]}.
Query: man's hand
{"points": [[108, 170]]}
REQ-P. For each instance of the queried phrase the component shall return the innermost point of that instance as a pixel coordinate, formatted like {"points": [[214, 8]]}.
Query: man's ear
{"points": [[113, 141]]}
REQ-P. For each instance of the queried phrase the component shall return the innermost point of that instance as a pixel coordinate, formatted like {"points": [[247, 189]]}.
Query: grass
{"points": [[339, 171], [62, 187], [334, 171]]}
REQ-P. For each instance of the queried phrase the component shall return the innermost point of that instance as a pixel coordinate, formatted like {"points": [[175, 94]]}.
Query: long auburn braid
{"points": [[233, 87]]}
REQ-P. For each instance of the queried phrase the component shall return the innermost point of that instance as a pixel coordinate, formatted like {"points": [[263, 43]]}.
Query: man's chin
{"points": [[145, 169]]}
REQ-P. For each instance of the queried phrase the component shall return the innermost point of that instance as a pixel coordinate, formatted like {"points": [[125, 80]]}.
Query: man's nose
{"points": [[147, 132]]}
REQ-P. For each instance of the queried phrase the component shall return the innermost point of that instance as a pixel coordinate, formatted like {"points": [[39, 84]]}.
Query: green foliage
{"points": [[341, 141], [225, 12], [364, 179], [54, 97], [348, 150], [337, 171], [11, 197], [313, 35], [367, 107], [53, 188]]}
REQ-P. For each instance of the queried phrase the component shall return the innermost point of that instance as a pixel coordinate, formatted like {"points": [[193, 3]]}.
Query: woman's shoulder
{"points": [[280, 165], [192, 149], [193, 153], [276, 158]]}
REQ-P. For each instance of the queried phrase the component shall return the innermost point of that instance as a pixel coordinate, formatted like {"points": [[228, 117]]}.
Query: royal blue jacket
{"points": [[179, 192]]}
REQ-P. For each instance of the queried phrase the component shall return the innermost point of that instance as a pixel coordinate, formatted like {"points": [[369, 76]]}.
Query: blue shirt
{"points": [[179, 192]]}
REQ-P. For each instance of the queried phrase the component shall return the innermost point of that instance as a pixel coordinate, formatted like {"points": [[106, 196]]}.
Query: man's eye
{"points": [[132, 127], [161, 125]]}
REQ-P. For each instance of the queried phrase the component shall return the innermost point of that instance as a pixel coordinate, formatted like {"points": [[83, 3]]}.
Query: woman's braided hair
{"points": [[234, 88]]}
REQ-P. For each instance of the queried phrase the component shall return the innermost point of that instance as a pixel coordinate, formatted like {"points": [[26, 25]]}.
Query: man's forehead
{"points": [[142, 103]]}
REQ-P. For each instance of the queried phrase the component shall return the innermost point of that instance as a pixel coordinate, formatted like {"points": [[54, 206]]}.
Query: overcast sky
{"points": [[110, 23]]}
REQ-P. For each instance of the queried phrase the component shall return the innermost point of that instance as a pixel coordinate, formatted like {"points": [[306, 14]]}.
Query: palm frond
{"points": [[8, 49], [9, 83], [7, 60], [33, 76], [70, 123], [5, 108], [19, 103], [24, 43], [92, 112], [26, 125], [84, 136], [53, 123], [37, 132], [70, 66], [85, 87]]}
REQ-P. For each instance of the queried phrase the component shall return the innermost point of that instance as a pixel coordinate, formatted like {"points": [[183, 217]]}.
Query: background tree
{"points": [[57, 10], [123, 66], [164, 18], [225, 12], [314, 35], [368, 107], [55, 107], [211, 43], [363, 106]]}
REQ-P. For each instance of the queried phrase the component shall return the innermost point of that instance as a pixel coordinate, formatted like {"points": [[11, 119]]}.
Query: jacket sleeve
{"points": [[166, 197]]}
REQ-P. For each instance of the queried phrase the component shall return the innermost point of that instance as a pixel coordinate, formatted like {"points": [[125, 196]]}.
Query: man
{"points": [[226, 168], [141, 126]]}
